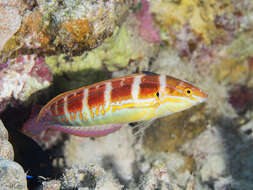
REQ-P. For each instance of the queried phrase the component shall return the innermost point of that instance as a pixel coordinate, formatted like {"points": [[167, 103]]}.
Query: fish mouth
{"points": [[201, 99], [203, 95]]}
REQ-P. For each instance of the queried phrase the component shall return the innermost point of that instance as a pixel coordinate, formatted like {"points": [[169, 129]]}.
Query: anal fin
{"points": [[90, 131]]}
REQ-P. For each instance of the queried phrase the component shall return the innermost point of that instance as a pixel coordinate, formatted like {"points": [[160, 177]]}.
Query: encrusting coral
{"points": [[12, 9], [61, 26], [21, 77]]}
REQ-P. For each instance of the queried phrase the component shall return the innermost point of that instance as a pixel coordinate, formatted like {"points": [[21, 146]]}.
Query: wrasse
{"points": [[102, 108]]}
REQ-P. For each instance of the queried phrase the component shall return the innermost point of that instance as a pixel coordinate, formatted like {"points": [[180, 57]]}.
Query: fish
{"points": [[104, 107]]}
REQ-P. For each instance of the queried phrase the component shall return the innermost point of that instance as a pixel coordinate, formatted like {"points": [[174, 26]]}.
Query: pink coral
{"points": [[146, 29], [22, 76], [241, 98], [40, 69]]}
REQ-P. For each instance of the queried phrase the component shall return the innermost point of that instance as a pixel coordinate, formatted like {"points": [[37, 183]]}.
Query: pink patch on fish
{"points": [[91, 131]]}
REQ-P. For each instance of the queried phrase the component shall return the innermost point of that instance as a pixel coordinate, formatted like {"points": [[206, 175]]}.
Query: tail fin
{"points": [[31, 127]]}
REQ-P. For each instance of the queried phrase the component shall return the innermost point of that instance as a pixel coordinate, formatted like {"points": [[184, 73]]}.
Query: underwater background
{"points": [[50, 47]]}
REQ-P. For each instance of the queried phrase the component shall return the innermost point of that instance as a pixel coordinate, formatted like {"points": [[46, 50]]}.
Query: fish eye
{"points": [[188, 92], [157, 94]]}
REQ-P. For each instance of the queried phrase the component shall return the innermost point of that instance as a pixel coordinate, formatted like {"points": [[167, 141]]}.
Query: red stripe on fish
{"points": [[150, 85], [96, 95], [60, 107], [122, 89], [75, 101], [53, 109], [102, 109]]}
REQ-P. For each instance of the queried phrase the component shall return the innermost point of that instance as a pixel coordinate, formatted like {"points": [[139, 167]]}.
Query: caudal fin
{"points": [[39, 131]]}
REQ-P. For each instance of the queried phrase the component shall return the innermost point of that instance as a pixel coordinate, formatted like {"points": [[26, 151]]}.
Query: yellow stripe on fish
{"points": [[101, 108]]}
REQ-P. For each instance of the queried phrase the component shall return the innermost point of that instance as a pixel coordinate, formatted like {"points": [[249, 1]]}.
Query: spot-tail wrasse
{"points": [[102, 108]]}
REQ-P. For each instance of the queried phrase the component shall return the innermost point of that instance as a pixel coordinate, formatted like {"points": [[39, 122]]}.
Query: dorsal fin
{"points": [[149, 73]]}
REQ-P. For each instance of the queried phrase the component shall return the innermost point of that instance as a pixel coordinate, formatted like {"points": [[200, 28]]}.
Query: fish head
{"points": [[177, 95]]}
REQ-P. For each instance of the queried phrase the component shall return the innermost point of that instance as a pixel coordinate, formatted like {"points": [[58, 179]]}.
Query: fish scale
{"points": [[102, 107]]}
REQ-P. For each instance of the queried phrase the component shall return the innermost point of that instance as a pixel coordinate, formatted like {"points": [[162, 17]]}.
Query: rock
{"points": [[3, 131], [172, 132], [89, 176], [223, 157], [112, 152], [12, 176], [10, 19], [68, 25], [51, 185], [6, 150]]}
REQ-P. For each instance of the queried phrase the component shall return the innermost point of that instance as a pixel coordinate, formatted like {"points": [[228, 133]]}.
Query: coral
{"points": [[219, 69], [231, 70], [146, 28], [113, 152], [234, 64], [12, 10], [90, 176], [157, 175], [241, 98], [208, 43], [115, 53], [223, 156], [166, 170], [22, 76], [51, 185], [173, 15], [170, 133], [33, 31], [78, 29], [67, 25]]}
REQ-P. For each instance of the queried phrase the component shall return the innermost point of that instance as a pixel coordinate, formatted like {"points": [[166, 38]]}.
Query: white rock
{"points": [[10, 19], [3, 131], [6, 150], [112, 151], [214, 167], [12, 176]]}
